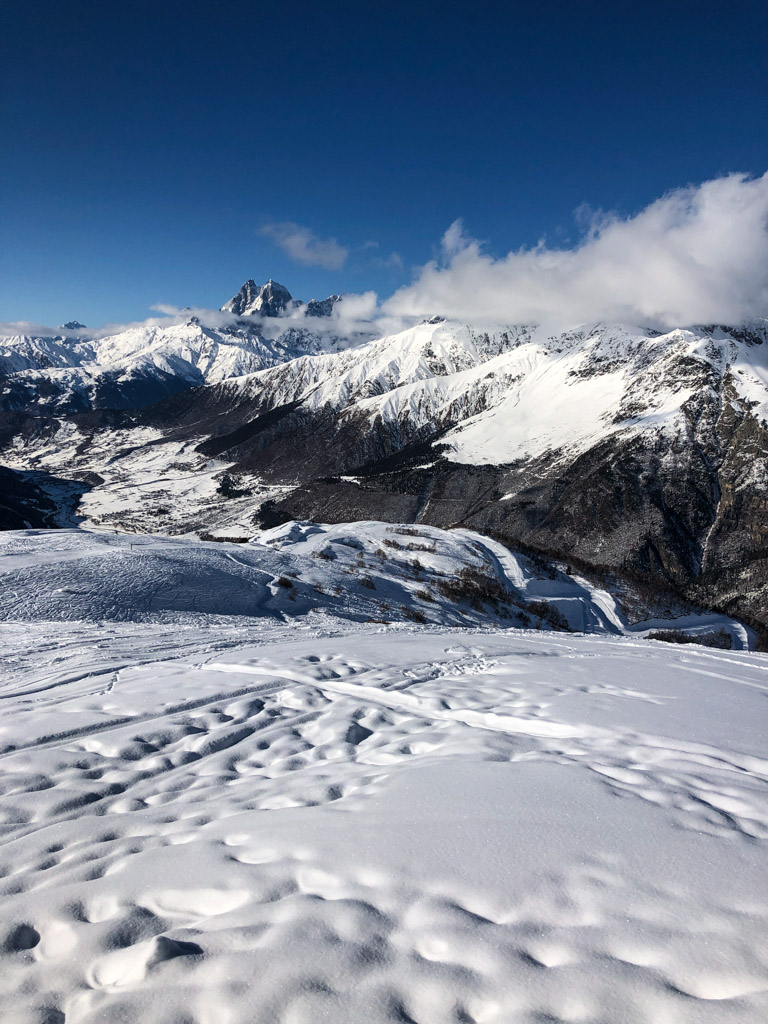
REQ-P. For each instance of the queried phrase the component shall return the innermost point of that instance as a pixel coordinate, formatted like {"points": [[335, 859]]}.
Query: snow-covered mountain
{"points": [[273, 299], [620, 448], [79, 370]]}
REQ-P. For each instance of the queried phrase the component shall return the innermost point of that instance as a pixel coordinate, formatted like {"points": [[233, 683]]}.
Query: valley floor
{"points": [[327, 821]]}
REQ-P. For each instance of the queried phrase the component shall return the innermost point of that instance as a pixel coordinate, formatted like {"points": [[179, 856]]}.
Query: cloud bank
{"points": [[697, 255], [305, 247]]}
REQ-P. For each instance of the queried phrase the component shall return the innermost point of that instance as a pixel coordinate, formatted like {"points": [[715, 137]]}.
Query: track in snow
{"points": [[256, 824]]}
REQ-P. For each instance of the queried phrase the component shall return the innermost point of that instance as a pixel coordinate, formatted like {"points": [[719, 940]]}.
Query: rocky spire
{"points": [[268, 300]]}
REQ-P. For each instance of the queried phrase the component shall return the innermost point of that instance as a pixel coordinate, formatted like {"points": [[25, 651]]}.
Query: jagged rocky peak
{"points": [[72, 325], [269, 299], [322, 307]]}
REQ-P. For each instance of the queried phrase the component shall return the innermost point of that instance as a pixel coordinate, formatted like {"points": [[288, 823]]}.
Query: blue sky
{"points": [[163, 152]]}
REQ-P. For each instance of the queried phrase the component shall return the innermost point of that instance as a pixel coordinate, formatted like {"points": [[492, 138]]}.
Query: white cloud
{"points": [[353, 307], [305, 247], [25, 328], [697, 255]]}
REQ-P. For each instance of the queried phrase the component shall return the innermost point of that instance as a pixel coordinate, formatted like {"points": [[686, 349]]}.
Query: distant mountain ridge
{"points": [[71, 372], [615, 446]]}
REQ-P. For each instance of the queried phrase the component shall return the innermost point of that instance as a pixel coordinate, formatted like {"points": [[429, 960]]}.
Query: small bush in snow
{"points": [[549, 613], [413, 614], [475, 588], [407, 531]]}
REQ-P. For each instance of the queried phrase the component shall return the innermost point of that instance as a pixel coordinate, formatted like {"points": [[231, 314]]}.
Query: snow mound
{"points": [[360, 571], [363, 571]]}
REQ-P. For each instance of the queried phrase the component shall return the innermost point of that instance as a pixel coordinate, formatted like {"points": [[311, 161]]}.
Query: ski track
{"points": [[272, 824]]}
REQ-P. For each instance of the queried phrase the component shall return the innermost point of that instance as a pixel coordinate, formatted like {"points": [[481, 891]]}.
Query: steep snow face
{"points": [[23, 352], [426, 355], [546, 395], [506, 394], [128, 369], [141, 365], [79, 369]]}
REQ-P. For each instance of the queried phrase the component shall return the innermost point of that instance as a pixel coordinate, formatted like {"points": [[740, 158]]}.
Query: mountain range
{"points": [[617, 448]]}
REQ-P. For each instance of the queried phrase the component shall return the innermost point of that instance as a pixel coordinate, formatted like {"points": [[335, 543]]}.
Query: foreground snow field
{"points": [[295, 820]]}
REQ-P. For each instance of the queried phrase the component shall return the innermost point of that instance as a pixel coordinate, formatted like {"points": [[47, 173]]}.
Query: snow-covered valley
{"points": [[228, 796], [621, 446]]}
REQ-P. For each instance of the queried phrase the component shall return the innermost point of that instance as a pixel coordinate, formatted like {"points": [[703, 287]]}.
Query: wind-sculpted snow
{"points": [[273, 823]]}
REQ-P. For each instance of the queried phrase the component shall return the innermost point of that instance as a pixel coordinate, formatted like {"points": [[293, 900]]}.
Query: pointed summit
{"points": [[322, 307], [268, 300]]}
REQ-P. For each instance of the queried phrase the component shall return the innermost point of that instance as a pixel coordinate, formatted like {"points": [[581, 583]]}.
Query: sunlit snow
{"points": [[229, 799]]}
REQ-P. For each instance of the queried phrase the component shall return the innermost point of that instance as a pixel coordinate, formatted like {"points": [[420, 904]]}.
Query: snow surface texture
{"points": [[296, 819]]}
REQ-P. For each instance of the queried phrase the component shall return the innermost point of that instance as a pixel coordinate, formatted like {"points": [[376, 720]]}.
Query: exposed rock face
{"points": [[324, 307], [269, 299]]}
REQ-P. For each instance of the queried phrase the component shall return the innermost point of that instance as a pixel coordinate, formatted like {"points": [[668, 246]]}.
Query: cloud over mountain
{"points": [[698, 254]]}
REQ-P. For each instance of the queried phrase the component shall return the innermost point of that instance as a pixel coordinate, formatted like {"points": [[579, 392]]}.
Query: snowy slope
{"points": [[360, 571], [518, 392], [327, 821], [490, 398], [365, 571]]}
